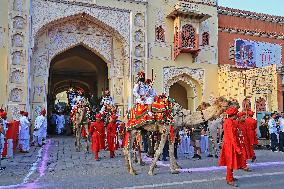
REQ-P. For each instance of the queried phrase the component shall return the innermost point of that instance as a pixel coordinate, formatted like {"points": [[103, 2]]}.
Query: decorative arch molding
{"points": [[69, 33], [172, 75], [192, 77], [44, 15], [80, 29], [188, 81]]}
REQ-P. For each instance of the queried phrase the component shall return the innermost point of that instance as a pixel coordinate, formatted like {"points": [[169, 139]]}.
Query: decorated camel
{"points": [[80, 121], [168, 117]]}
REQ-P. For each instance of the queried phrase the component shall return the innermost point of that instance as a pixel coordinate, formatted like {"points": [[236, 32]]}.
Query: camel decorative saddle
{"points": [[162, 113]]}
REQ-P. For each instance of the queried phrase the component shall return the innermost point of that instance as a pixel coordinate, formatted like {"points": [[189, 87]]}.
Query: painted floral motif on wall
{"points": [[17, 76], [16, 95]]}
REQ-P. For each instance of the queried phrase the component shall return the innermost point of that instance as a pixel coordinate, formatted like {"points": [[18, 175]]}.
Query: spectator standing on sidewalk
{"points": [[273, 131], [2, 132], [24, 135], [281, 133]]}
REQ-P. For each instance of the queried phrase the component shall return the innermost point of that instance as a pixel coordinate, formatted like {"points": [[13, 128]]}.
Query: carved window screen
{"points": [[205, 38], [260, 105], [160, 34], [188, 36]]}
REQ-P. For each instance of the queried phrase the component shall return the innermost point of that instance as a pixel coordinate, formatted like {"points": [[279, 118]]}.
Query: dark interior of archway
{"points": [[179, 93], [79, 68]]}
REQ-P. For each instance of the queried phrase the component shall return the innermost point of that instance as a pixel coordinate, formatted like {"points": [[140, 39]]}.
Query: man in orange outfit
{"points": [[231, 152], [97, 132], [251, 125], [243, 140], [111, 135]]}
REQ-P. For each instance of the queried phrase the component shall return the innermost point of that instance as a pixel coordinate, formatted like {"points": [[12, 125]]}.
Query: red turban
{"points": [[26, 114], [241, 114], [43, 112], [3, 114], [98, 116], [141, 74], [250, 113], [148, 81], [22, 112], [114, 117], [232, 111]]}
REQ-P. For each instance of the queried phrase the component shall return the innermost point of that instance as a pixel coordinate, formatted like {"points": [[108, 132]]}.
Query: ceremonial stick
{"points": [[152, 74], [153, 77]]}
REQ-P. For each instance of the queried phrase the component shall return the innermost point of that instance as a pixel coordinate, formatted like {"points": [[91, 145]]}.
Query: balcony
{"points": [[188, 10]]}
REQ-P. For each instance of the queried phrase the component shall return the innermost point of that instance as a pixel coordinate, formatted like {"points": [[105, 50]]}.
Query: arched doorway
{"points": [[183, 94], [76, 68], [78, 40]]}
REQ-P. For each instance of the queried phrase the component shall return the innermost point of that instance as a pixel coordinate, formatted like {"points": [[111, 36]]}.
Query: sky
{"points": [[272, 7]]}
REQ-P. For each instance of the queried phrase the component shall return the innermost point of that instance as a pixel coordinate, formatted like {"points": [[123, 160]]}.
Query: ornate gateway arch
{"points": [[42, 29], [105, 32]]}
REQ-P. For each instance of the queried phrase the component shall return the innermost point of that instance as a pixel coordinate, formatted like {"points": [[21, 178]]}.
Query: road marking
{"points": [[41, 169], [34, 167], [200, 181], [213, 168]]}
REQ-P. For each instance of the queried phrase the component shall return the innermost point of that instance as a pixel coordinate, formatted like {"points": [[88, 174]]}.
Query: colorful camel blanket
{"points": [[162, 110]]}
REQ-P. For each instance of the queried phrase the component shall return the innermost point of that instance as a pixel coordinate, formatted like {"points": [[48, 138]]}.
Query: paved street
{"points": [[57, 165]]}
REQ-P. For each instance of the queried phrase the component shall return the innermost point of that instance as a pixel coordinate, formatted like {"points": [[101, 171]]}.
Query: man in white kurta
{"points": [[60, 122], [3, 117], [24, 135], [40, 127], [214, 128], [2, 132]]}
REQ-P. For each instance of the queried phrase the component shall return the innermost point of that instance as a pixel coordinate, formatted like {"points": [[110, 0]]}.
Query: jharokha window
{"points": [[188, 36], [160, 34], [205, 38]]}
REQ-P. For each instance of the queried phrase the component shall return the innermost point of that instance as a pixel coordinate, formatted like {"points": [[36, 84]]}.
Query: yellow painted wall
{"points": [[184, 59], [157, 55], [3, 52]]}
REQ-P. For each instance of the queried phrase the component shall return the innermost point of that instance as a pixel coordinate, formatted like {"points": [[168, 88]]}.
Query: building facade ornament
{"points": [[172, 75], [44, 14], [251, 15], [252, 33]]}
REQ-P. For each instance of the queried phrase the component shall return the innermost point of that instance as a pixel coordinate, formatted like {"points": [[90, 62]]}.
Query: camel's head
{"points": [[203, 106]]}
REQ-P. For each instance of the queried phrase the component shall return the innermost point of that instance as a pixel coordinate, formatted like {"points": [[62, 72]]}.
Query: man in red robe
{"points": [[231, 151], [111, 135], [243, 140], [251, 125], [97, 132]]}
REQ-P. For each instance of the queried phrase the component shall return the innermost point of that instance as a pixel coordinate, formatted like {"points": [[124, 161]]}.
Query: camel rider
{"points": [[80, 96], [106, 101], [139, 90], [150, 94]]}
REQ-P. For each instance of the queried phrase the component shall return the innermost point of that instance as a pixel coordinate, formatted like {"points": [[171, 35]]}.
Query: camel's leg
{"points": [[135, 156], [126, 158], [158, 153], [173, 163], [131, 140], [78, 138], [87, 141], [140, 161], [128, 149]]}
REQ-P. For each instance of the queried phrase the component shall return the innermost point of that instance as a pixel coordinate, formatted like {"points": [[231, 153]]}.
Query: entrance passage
{"points": [[76, 69]]}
